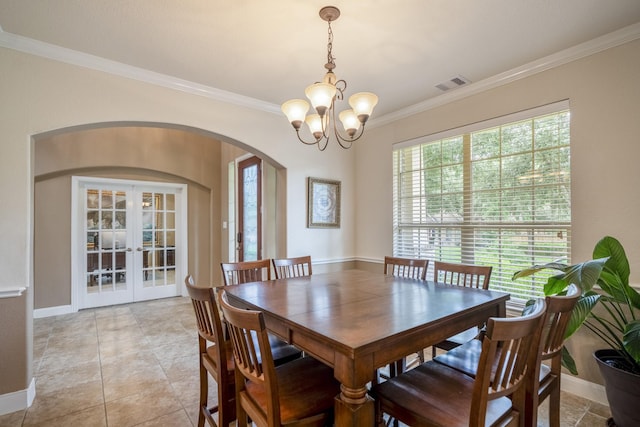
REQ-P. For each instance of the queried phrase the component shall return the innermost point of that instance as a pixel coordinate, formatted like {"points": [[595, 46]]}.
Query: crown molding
{"points": [[57, 53], [616, 38], [69, 56]]}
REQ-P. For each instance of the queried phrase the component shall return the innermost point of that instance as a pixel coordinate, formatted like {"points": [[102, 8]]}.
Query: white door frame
{"points": [[78, 279]]}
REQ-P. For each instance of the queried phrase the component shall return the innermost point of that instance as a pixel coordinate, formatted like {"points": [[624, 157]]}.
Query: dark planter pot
{"points": [[622, 387]]}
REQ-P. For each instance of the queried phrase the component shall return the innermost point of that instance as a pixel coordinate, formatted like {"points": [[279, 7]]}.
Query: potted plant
{"points": [[612, 313]]}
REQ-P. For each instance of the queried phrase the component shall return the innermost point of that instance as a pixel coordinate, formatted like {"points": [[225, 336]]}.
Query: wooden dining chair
{"points": [[434, 394], [235, 273], [216, 355], [471, 276], [298, 393], [547, 383], [292, 267], [406, 267]]}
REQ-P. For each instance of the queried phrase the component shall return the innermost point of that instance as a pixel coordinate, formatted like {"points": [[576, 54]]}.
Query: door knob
{"points": [[139, 249]]}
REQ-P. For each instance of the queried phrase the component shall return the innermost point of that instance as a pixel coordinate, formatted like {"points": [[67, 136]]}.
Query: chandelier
{"points": [[323, 95]]}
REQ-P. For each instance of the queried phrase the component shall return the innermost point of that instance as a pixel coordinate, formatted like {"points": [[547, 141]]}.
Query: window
{"points": [[495, 193]]}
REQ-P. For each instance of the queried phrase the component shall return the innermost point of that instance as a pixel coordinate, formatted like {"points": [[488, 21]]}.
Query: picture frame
{"points": [[323, 203]]}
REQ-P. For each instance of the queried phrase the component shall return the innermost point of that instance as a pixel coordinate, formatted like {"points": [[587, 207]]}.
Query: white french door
{"points": [[132, 241]]}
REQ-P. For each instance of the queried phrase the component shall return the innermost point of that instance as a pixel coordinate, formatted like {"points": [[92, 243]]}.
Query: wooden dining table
{"points": [[357, 321]]}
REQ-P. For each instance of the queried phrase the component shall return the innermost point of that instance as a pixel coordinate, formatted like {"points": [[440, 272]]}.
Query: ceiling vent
{"points": [[455, 82]]}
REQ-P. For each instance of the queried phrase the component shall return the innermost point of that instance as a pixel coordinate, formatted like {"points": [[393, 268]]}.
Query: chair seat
{"points": [[282, 351], [211, 357], [447, 401], [465, 359], [458, 339], [305, 386]]}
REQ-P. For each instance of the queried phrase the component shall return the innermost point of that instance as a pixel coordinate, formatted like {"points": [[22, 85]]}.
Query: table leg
{"points": [[354, 407]]}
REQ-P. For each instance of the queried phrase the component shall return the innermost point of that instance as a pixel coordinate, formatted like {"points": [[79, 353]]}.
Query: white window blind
{"points": [[496, 195]]}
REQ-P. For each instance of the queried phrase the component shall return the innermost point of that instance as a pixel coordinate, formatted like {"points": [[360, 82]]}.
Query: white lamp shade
{"points": [[363, 103], [295, 110], [321, 96], [314, 121], [349, 121]]}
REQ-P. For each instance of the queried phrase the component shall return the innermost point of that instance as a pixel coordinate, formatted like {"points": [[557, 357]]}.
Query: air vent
{"points": [[453, 83]]}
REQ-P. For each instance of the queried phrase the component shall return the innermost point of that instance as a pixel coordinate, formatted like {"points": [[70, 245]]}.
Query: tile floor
{"points": [[137, 365]]}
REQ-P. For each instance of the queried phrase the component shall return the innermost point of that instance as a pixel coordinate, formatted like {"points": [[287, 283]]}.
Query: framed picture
{"points": [[323, 203]]}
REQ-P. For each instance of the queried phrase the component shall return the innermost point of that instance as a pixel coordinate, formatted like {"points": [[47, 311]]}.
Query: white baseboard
{"points": [[582, 388], [52, 311], [333, 261], [18, 400]]}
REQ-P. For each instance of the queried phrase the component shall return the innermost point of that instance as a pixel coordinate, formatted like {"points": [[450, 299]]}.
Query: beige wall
{"points": [[603, 91], [52, 247], [15, 335]]}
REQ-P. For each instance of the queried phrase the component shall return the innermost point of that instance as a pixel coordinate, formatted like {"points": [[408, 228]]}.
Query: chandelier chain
{"points": [[330, 59]]}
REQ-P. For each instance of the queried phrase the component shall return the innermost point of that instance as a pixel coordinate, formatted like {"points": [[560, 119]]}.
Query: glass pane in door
{"points": [[250, 212], [158, 239], [106, 241]]}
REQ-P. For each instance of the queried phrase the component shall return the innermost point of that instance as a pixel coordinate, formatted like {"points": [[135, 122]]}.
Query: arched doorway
{"points": [[142, 152]]}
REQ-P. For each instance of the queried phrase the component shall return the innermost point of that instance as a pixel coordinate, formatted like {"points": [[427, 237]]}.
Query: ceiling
{"points": [[271, 50]]}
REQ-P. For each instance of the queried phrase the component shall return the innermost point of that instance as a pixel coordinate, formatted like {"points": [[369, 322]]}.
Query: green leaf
{"points": [[614, 279], [631, 339], [568, 362], [555, 285], [586, 274], [611, 284], [581, 311], [634, 297], [609, 247], [536, 268]]}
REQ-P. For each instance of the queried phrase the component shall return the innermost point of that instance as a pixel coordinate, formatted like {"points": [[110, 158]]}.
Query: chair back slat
{"points": [[292, 267], [471, 276], [235, 273], [406, 267], [246, 353], [509, 368]]}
